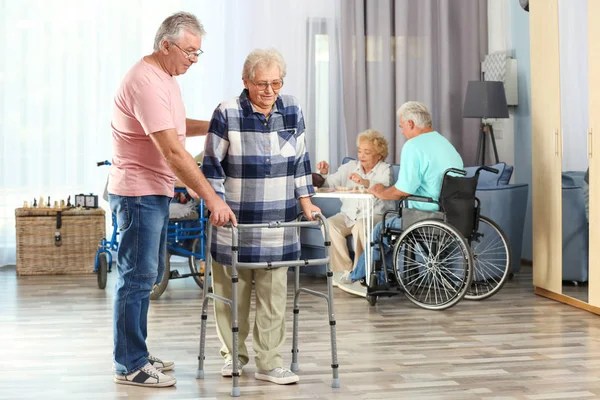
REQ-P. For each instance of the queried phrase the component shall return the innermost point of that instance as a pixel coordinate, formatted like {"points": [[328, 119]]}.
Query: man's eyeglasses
{"points": [[189, 55], [275, 85]]}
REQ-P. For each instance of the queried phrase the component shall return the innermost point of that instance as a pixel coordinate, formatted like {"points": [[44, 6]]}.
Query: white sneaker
{"points": [[345, 279], [227, 370], [339, 277], [147, 376], [280, 376], [160, 364], [355, 288]]}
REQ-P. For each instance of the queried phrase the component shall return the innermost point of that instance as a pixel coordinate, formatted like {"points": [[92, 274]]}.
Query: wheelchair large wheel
{"points": [[433, 264], [102, 271], [159, 289], [491, 260], [197, 265]]}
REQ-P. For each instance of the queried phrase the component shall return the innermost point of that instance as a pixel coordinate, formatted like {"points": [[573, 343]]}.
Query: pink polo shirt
{"points": [[149, 100]]}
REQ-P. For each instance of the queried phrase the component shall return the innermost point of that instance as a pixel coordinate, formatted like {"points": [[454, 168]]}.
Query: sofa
{"points": [[575, 228], [504, 203]]}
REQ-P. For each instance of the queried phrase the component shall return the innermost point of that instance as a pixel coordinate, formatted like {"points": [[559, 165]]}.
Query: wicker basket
{"points": [[37, 250]]}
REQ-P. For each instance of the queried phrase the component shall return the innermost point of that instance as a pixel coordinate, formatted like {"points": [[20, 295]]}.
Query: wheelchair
{"points": [[186, 237], [440, 257]]}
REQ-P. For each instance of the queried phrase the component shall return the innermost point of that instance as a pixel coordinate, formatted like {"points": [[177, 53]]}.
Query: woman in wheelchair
{"points": [[439, 246]]}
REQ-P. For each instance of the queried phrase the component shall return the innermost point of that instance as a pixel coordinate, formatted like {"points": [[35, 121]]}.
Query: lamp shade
{"points": [[485, 99]]}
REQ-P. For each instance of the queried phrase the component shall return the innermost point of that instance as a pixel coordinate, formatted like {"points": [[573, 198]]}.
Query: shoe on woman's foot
{"points": [[280, 376]]}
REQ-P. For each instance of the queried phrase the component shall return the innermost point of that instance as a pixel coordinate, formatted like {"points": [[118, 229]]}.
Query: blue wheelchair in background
{"points": [[186, 237]]}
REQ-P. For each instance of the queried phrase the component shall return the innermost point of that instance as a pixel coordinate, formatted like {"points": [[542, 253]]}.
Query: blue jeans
{"points": [[360, 271], [142, 222]]}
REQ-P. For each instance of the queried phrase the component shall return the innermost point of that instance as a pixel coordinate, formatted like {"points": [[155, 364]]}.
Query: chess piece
{"points": [[35, 203], [48, 203], [69, 202], [25, 205], [41, 203], [62, 203], [55, 204]]}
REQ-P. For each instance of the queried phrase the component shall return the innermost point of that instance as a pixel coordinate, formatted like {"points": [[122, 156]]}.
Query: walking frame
{"points": [[320, 220]]}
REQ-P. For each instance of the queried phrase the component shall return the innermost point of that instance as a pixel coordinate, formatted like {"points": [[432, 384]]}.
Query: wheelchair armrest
{"points": [[397, 213], [404, 201]]}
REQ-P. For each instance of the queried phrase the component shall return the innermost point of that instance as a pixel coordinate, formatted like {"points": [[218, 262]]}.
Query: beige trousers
{"points": [[269, 322], [338, 231]]}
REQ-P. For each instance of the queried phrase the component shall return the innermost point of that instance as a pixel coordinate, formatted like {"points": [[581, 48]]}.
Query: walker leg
{"points": [[200, 371], [335, 383], [235, 390], [205, 291], [294, 367]]}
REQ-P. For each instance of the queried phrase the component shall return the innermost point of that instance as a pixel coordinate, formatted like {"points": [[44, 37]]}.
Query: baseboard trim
{"points": [[567, 300]]}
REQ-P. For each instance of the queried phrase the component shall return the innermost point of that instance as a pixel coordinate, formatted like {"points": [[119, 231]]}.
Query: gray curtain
{"points": [[403, 50]]}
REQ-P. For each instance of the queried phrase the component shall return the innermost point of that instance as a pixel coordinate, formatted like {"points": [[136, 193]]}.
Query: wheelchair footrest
{"points": [[384, 293], [383, 290]]}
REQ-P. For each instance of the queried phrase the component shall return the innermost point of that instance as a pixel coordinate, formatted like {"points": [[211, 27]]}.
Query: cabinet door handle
{"points": [[556, 142], [589, 143]]}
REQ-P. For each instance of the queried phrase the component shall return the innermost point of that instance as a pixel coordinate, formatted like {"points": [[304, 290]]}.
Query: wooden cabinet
{"points": [[547, 145], [546, 157], [594, 148]]}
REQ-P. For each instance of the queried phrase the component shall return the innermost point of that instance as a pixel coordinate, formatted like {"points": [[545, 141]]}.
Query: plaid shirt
{"points": [[259, 166]]}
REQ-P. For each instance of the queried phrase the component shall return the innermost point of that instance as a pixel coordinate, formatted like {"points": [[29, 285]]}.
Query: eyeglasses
{"points": [[275, 85], [189, 55]]}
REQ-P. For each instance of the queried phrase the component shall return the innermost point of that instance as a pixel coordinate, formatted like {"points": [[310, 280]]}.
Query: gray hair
{"points": [[173, 27], [415, 112], [376, 139], [260, 58]]}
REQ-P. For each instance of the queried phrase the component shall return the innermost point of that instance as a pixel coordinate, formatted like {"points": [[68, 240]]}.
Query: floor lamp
{"points": [[485, 99]]}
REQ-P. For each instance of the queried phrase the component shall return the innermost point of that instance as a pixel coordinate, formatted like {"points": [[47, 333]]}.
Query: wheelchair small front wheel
{"points": [[196, 264], [102, 271], [371, 299], [159, 289]]}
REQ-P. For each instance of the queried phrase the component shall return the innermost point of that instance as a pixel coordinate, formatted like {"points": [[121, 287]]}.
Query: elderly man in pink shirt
{"points": [[149, 130]]}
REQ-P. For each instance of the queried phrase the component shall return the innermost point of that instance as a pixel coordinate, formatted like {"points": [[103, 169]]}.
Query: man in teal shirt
{"points": [[425, 157]]}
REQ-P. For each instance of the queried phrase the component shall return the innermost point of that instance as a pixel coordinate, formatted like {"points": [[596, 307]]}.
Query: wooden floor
{"points": [[56, 343]]}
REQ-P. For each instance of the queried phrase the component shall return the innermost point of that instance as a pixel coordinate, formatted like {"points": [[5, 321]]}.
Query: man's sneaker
{"points": [[354, 288], [160, 364], [227, 370], [280, 376], [147, 376]]}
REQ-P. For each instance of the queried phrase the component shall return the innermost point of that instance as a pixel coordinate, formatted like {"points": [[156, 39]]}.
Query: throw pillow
{"points": [[487, 178]]}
